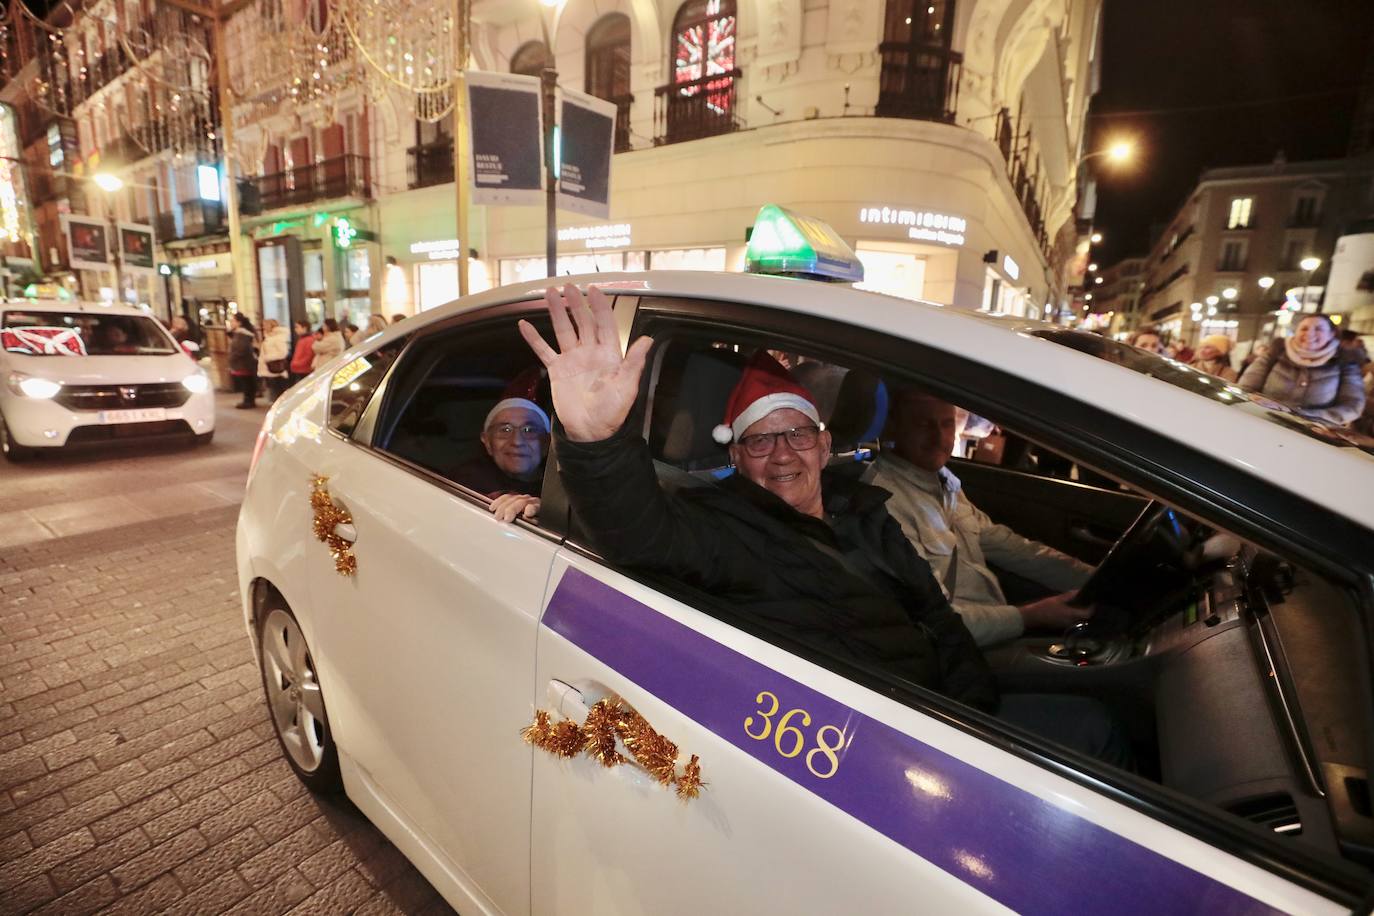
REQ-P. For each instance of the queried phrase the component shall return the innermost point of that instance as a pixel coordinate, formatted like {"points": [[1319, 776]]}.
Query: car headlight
{"points": [[196, 383], [30, 387]]}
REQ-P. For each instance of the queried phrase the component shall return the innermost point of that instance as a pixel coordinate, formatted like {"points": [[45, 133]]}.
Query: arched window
{"points": [[920, 74], [700, 101], [608, 70], [532, 59]]}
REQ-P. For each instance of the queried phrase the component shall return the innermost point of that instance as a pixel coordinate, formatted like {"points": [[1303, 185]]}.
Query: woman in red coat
{"points": [[304, 353]]}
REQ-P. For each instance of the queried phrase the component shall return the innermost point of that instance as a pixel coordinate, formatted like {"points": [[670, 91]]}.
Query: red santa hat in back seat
{"points": [[764, 386], [521, 393]]}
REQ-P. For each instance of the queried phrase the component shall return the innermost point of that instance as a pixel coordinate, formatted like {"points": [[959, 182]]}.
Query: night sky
{"points": [[1269, 74]]}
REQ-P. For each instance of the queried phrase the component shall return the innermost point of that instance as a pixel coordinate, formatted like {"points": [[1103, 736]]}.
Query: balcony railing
{"points": [[918, 81], [1023, 172], [198, 218], [622, 121], [697, 109], [342, 176], [430, 163]]}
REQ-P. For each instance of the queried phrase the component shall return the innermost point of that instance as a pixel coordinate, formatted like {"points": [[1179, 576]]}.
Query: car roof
{"points": [[1264, 443], [60, 305]]}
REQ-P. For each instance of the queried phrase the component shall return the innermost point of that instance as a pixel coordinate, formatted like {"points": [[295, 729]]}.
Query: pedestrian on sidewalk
{"points": [[329, 345], [303, 356], [1214, 357], [243, 361], [276, 351]]}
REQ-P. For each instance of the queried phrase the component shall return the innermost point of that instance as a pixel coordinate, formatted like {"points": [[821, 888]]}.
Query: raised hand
{"points": [[594, 387]]}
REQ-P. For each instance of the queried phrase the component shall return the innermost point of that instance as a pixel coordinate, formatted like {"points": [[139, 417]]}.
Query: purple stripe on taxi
{"points": [[1020, 850]]}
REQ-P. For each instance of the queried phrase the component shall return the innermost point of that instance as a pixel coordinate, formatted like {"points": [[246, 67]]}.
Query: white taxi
{"points": [[81, 374], [540, 731]]}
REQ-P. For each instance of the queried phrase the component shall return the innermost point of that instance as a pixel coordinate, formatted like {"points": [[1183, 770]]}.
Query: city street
{"points": [[138, 768]]}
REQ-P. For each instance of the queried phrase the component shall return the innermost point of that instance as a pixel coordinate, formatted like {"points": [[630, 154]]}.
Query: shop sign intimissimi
{"points": [[922, 225]]}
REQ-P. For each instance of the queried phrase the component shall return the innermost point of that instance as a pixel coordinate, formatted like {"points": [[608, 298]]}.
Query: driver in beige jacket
{"points": [[957, 539]]}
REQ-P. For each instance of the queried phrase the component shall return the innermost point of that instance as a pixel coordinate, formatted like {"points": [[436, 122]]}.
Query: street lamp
{"points": [[1095, 238], [1092, 268], [1309, 264], [548, 84], [107, 182], [1229, 292]]}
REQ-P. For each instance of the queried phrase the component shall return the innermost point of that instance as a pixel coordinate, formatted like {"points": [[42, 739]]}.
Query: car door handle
{"points": [[566, 700], [346, 531]]}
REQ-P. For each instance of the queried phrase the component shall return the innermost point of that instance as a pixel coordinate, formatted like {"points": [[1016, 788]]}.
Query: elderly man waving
{"points": [[814, 558]]}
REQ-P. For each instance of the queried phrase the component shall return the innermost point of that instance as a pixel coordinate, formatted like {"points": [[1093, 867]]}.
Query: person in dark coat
{"points": [[819, 561], [1309, 372], [810, 555], [243, 362]]}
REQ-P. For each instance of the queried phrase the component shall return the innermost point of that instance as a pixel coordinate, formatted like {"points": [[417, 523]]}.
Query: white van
{"points": [[74, 374]]}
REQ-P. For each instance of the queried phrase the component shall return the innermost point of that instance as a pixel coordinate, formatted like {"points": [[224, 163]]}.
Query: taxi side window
{"points": [[472, 405], [354, 383]]}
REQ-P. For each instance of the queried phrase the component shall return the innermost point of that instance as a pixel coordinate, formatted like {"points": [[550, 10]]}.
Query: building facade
{"points": [[1231, 259], [1115, 302]]}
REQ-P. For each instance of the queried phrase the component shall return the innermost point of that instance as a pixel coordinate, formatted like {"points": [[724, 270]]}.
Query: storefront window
{"points": [[687, 259], [314, 287], [438, 283], [272, 274], [519, 270], [893, 272], [357, 269]]}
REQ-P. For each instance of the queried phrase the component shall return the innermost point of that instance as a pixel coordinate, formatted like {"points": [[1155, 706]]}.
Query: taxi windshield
{"points": [[1190, 379], [76, 333]]}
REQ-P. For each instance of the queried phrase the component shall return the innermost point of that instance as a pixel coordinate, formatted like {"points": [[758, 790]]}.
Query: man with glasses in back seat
{"points": [[812, 556], [515, 441]]}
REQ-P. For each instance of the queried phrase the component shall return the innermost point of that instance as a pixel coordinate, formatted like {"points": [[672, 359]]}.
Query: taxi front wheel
{"points": [[296, 703]]}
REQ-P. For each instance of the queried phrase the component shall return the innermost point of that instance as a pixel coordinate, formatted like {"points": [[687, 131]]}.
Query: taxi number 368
{"points": [[788, 738]]}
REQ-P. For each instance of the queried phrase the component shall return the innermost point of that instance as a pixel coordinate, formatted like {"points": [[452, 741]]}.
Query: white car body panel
{"points": [[429, 658], [434, 655], [786, 844]]}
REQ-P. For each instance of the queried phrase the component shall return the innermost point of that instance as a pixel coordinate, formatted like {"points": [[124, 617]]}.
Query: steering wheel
{"points": [[1123, 553]]}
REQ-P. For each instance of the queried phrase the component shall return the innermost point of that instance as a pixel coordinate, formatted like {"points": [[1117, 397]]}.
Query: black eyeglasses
{"points": [[799, 439]]}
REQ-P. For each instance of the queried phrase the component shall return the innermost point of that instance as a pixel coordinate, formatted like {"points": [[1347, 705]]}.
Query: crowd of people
{"points": [[1319, 371], [269, 361]]}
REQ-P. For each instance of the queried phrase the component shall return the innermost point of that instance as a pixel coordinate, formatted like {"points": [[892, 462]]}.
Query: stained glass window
{"points": [[704, 46]]}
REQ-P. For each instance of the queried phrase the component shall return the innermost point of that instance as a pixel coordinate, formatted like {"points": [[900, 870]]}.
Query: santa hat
{"points": [[764, 386], [520, 393]]}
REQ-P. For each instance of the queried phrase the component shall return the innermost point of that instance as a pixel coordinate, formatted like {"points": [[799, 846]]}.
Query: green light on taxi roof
{"points": [[787, 243]]}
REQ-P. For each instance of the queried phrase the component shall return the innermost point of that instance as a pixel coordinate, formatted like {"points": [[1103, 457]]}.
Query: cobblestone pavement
{"points": [[138, 768]]}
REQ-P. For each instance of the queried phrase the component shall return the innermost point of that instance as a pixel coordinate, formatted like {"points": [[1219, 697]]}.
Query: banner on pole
{"points": [[88, 242], [507, 138], [586, 128], [136, 246]]}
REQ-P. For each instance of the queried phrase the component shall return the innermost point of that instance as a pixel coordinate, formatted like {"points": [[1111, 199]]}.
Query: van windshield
{"points": [[82, 334]]}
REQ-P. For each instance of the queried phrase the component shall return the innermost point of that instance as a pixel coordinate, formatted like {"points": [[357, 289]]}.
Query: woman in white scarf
{"points": [[1310, 373]]}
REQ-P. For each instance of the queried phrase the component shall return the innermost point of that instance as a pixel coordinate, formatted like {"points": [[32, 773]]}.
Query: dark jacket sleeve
{"points": [[964, 672], [629, 518]]}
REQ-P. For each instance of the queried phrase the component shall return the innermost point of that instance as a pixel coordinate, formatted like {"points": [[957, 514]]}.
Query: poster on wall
{"points": [[88, 244], [507, 138], [136, 246], [587, 138]]}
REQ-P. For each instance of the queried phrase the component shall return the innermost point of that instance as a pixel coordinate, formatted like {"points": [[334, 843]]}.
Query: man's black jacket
{"points": [[741, 543]]}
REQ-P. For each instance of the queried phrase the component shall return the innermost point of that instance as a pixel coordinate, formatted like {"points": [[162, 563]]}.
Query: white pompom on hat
{"points": [[763, 387]]}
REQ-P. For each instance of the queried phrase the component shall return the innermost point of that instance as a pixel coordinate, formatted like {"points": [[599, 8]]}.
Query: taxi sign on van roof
{"points": [[788, 243]]}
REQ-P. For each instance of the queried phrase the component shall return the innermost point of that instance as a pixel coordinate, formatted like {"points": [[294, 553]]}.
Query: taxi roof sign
{"points": [[783, 242]]}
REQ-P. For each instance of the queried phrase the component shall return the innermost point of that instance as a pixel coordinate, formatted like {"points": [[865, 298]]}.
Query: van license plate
{"points": [[145, 415]]}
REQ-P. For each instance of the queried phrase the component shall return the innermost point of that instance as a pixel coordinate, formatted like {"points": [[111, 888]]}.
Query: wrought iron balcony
{"points": [[342, 176], [430, 163], [918, 81], [622, 104], [693, 110], [198, 218]]}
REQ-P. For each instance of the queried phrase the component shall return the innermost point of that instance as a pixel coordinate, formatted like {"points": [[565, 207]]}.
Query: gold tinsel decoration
{"points": [[606, 721], [327, 517]]}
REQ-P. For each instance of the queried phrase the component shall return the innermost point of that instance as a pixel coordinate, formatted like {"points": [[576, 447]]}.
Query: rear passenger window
{"points": [[354, 383], [472, 405]]}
